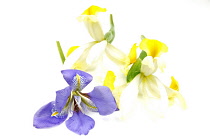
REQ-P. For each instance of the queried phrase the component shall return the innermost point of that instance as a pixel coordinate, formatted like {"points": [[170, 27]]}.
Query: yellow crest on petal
{"points": [[109, 80], [174, 84], [73, 48], [93, 10], [133, 53], [153, 47], [54, 113]]}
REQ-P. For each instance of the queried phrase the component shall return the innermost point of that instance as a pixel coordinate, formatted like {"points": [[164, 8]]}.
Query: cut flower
{"points": [[72, 100]]}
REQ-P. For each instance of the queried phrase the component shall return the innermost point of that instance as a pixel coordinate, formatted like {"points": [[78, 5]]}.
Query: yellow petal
{"points": [[174, 84], [71, 50], [93, 10], [109, 80], [153, 47], [132, 55]]}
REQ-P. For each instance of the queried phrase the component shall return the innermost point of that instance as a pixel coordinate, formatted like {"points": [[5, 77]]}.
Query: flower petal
{"points": [[149, 86], [94, 28], [128, 98], [117, 55], [77, 59], [93, 10], [89, 17], [73, 48], [148, 66], [109, 79], [77, 79], [153, 47], [61, 98], [160, 63], [155, 97], [133, 53], [80, 123], [96, 52], [103, 99], [173, 94], [174, 84], [43, 118]]}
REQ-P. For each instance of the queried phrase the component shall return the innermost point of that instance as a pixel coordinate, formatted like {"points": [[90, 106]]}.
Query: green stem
{"points": [[60, 52]]}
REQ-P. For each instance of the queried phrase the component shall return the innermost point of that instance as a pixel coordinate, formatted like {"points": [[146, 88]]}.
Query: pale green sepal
{"points": [[110, 35], [134, 70], [60, 52], [142, 55]]}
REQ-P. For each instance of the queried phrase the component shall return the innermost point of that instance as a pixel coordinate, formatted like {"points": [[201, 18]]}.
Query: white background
{"points": [[30, 64]]}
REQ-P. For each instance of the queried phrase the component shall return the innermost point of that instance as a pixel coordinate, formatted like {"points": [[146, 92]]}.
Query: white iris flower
{"points": [[145, 86], [99, 58]]}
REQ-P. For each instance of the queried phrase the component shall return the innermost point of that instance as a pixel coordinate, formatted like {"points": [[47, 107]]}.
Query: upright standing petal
{"points": [[89, 17], [43, 118], [77, 78], [80, 123], [103, 99], [61, 98], [148, 66]]}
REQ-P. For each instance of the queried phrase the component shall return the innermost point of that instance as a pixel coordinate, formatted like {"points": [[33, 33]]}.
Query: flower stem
{"points": [[60, 52]]}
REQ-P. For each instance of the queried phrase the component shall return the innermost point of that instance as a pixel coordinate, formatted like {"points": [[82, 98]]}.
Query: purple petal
{"points": [[43, 118], [103, 99], [61, 98], [70, 77], [80, 123]]}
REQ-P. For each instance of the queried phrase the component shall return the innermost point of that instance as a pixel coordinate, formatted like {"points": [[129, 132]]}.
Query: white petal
{"points": [[117, 55], [94, 27], [77, 55], [161, 64], [129, 98], [149, 66], [95, 52], [151, 87]]}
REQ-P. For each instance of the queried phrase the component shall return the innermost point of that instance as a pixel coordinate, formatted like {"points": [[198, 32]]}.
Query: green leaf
{"points": [[142, 55], [60, 52], [110, 35], [134, 70]]}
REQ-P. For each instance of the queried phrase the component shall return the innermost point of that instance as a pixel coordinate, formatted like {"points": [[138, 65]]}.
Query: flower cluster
{"points": [[118, 78]]}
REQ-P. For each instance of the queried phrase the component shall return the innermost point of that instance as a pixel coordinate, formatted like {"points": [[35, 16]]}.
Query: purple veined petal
{"points": [[103, 99], [80, 123], [70, 77], [43, 118], [61, 98]]}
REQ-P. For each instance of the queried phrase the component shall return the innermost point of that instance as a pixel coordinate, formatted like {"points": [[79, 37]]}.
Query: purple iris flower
{"points": [[71, 100]]}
